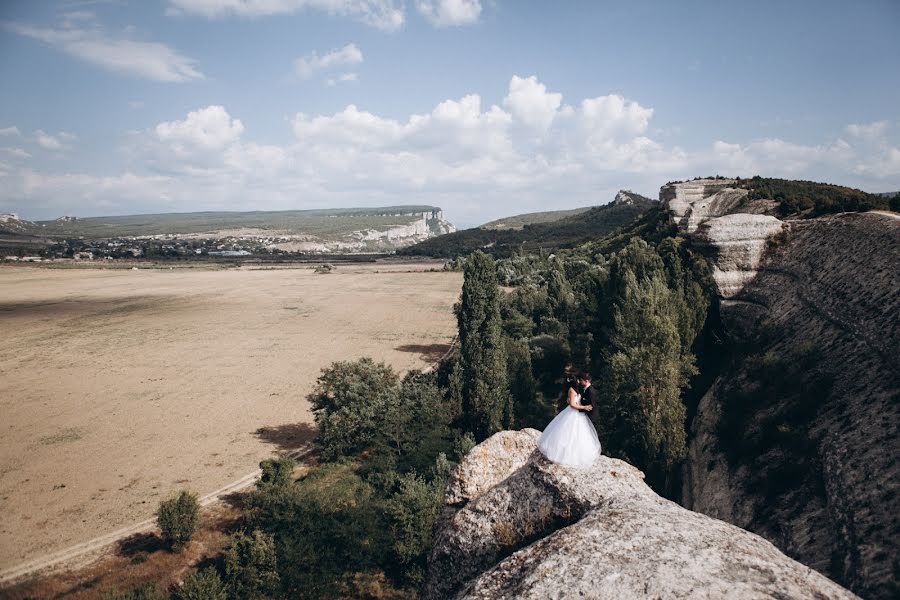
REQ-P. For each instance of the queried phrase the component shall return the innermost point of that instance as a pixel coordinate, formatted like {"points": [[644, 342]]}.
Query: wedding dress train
{"points": [[570, 439]]}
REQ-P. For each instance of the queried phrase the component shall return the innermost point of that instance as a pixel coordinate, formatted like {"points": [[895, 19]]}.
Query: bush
{"points": [[178, 518], [201, 585], [250, 566], [348, 402], [146, 591], [413, 511], [276, 472]]}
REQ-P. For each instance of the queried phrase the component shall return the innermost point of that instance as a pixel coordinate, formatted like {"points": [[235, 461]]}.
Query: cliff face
{"points": [[518, 526], [797, 439]]}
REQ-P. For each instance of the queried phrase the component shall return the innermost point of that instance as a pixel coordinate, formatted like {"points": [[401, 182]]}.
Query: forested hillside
{"points": [[567, 232]]}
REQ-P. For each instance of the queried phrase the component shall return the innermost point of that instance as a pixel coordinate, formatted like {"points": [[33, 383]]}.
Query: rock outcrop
{"points": [[733, 231], [528, 528], [798, 440]]}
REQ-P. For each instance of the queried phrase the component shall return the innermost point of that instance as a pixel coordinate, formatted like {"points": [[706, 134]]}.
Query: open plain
{"points": [[119, 387]]}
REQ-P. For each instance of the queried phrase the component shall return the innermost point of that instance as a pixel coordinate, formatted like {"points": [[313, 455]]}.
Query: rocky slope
{"points": [[797, 439], [518, 526]]}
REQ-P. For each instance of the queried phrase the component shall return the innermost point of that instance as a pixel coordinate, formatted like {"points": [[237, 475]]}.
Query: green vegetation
{"points": [[250, 563], [520, 221], [324, 223], [486, 402], [809, 198], [178, 518], [201, 585], [567, 232], [146, 591]]}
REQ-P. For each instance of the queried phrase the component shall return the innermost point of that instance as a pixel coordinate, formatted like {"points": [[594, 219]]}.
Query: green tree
{"points": [[523, 386], [413, 511], [178, 518], [250, 566], [201, 585], [487, 404], [642, 413], [348, 403]]}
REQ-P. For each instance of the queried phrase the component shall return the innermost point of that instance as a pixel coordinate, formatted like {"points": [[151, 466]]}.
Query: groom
{"points": [[589, 395]]}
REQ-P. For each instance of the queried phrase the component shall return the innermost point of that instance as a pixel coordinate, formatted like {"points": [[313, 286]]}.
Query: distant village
{"points": [[155, 247]]}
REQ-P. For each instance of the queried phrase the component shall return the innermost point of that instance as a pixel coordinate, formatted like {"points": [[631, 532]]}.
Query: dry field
{"points": [[118, 387]]}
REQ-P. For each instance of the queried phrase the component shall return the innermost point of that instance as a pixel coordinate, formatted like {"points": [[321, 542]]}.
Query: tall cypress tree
{"points": [[487, 403], [646, 366]]}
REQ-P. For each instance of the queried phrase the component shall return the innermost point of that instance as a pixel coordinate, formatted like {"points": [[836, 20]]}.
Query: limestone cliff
{"points": [[518, 526], [733, 231], [797, 439]]}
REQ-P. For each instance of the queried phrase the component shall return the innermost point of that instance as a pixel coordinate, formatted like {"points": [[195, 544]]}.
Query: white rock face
{"points": [[718, 216], [738, 242], [7, 217], [539, 530]]}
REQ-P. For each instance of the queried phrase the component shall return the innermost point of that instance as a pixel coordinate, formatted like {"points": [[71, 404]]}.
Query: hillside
{"points": [[520, 221], [324, 223], [383, 229], [796, 438], [566, 232]]}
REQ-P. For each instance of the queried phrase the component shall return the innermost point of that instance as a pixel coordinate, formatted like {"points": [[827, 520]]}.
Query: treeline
{"points": [[568, 232], [810, 198]]}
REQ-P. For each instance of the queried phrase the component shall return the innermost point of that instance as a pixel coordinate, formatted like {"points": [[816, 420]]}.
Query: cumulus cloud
{"points": [[529, 100], [477, 159], [448, 13], [386, 15], [149, 60], [13, 131], [211, 127], [309, 65]]}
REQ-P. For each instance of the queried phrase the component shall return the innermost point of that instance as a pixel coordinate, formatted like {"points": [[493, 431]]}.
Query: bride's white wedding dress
{"points": [[570, 439]]}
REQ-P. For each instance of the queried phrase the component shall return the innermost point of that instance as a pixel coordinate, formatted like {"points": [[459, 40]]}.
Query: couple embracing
{"points": [[571, 438]]}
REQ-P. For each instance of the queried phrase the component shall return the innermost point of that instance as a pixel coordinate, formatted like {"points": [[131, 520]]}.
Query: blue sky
{"points": [[484, 107]]}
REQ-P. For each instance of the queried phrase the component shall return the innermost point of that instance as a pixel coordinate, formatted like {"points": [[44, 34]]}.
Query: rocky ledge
{"points": [[518, 526]]}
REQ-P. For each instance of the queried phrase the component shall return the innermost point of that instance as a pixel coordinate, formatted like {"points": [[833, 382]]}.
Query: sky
{"points": [[486, 108]]}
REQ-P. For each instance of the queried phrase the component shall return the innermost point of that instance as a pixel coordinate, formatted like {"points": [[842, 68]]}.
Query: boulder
{"points": [[548, 531]]}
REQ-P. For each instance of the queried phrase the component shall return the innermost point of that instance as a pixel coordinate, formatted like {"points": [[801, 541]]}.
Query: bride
{"points": [[570, 438]]}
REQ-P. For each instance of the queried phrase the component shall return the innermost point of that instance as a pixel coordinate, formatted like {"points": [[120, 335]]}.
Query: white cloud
{"points": [[149, 60], [386, 15], [309, 65], [871, 131], [10, 131], [529, 100], [447, 13], [47, 141], [476, 159], [16, 152], [342, 78], [210, 128]]}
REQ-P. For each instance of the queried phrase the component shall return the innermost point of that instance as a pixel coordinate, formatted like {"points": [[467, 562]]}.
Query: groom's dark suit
{"points": [[591, 396]]}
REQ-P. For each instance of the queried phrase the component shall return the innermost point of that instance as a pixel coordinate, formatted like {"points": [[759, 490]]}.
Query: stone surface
{"points": [[736, 245], [832, 284], [489, 463], [733, 230], [548, 531]]}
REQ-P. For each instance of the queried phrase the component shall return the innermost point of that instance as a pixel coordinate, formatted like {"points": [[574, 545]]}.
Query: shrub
{"points": [[178, 518], [413, 511], [201, 585], [348, 403], [250, 565], [276, 472], [146, 591]]}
